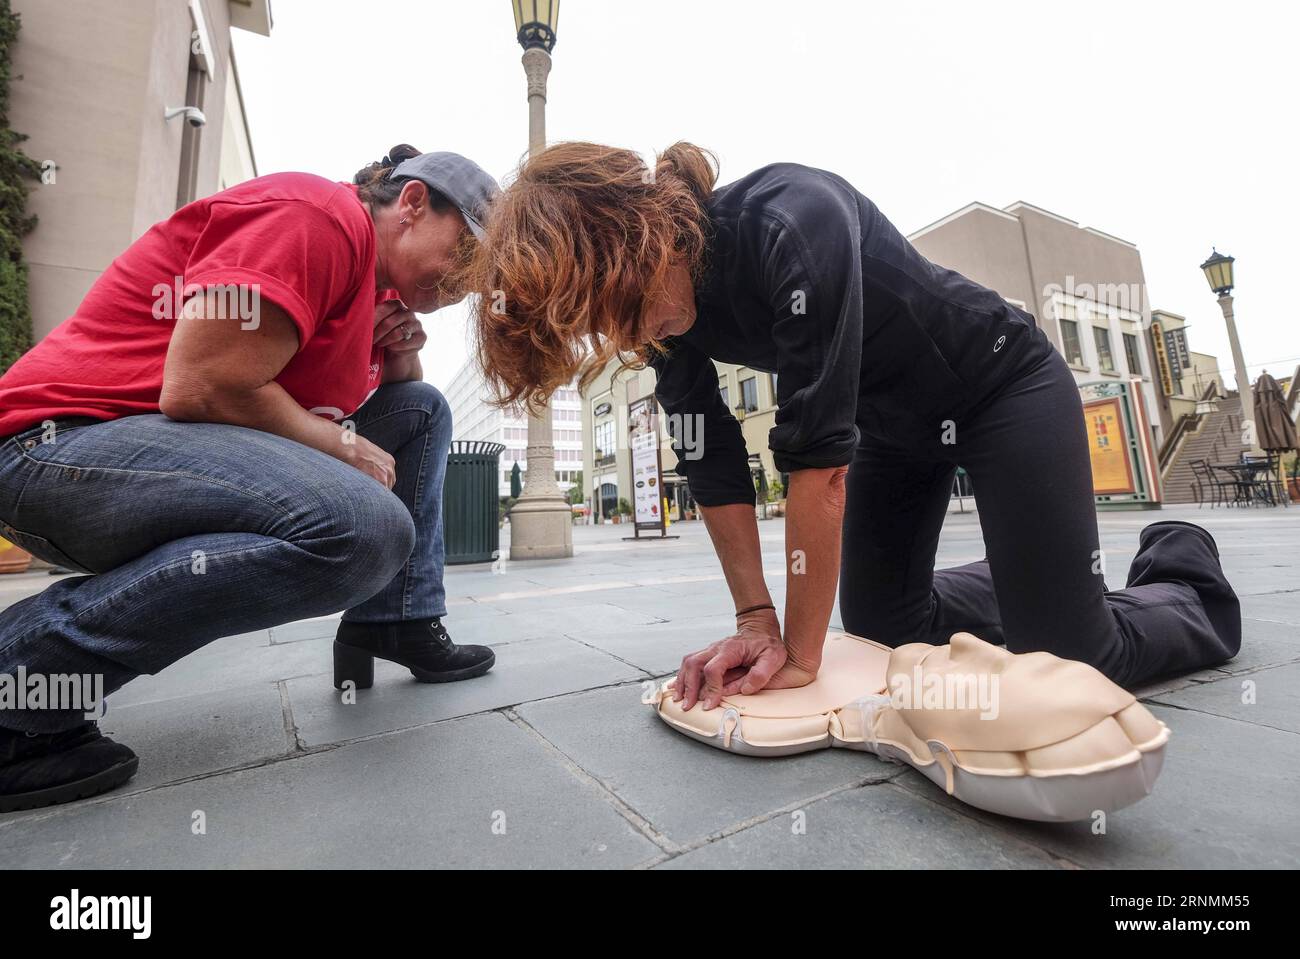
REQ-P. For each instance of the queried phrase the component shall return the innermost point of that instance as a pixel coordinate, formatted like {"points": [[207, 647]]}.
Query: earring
{"points": [[402, 220]]}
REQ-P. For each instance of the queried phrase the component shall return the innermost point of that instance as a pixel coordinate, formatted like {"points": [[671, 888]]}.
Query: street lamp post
{"points": [[541, 522], [1218, 272]]}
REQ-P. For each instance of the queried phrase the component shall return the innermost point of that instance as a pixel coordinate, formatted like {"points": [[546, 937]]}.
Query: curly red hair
{"points": [[575, 247]]}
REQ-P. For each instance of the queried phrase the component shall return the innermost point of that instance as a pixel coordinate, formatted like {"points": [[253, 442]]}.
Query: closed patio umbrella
{"points": [[1275, 428], [516, 487]]}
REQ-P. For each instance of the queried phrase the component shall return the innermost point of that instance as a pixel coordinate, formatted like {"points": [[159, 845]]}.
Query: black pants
{"points": [[1040, 586]]}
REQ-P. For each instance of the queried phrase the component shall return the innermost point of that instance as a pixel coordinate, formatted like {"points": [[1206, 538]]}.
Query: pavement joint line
{"points": [[673, 849], [726, 832], [1248, 670], [616, 802], [1228, 719], [211, 692], [304, 752], [961, 810], [53, 812], [286, 713], [641, 669]]}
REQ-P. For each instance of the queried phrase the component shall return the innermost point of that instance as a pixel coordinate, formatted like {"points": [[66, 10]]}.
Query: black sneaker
{"points": [[421, 645], [43, 769]]}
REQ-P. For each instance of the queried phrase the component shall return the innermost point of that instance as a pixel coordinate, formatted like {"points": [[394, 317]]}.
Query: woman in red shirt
{"points": [[195, 437]]}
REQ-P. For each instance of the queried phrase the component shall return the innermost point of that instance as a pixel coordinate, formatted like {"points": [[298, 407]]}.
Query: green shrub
{"points": [[15, 222]]}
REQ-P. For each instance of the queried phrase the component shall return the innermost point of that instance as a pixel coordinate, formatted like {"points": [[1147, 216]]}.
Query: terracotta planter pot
{"points": [[13, 559], [1293, 487]]}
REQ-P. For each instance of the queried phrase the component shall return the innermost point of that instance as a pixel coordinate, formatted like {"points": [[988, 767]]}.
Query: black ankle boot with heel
{"points": [[421, 645]]}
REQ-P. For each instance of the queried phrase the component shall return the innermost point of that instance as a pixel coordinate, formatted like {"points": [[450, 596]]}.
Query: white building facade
{"points": [[475, 417]]}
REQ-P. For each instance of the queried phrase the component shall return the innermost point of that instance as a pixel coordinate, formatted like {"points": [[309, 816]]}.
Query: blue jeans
{"points": [[194, 531]]}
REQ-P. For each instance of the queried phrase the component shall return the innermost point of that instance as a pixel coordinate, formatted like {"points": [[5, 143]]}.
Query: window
{"points": [[722, 389], [1131, 354], [1070, 347], [1105, 359], [604, 439], [749, 394]]}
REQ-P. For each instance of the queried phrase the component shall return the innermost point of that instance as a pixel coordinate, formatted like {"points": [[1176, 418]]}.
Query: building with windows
{"points": [[1184, 375], [92, 84], [607, 462], [1085, 287], [475, 417]]}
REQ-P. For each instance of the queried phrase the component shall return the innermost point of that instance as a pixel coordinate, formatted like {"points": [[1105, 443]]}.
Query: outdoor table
{"points": [[1247, 490]]}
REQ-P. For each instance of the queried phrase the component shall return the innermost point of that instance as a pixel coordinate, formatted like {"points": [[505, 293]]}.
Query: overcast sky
{"points": [[1170, 124]]}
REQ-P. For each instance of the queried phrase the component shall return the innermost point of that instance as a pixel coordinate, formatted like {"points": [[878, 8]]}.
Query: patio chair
{"points": [[1266, 485], [1207, 481]]}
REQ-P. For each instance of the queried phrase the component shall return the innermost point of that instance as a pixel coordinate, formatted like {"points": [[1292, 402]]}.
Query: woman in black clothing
{"points": [[891, 373]]}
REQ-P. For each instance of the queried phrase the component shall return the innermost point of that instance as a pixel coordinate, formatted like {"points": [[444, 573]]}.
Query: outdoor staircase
{"points": [[1217, 438]]}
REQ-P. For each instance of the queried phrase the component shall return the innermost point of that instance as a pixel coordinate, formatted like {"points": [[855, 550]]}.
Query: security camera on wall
{"points": [[193, 115]]}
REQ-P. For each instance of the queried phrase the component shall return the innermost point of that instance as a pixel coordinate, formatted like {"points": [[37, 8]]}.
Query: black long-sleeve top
{"points": [[870, 341]]}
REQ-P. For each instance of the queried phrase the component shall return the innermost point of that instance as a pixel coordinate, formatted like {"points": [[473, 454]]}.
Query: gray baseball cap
{"points": [[458, 178]]}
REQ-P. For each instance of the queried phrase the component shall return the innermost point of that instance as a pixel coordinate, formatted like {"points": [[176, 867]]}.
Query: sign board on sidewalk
{"points": [[647, 477]]}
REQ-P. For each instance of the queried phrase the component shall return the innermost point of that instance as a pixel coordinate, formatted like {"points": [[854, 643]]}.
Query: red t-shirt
{"points": [[302, 242]]}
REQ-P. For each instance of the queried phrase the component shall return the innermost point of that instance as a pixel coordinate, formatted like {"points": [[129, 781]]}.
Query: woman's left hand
{"points": [[397, 329], [754, 658]]}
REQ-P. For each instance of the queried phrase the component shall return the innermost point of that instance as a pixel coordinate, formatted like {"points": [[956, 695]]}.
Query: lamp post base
{"points": [[541, 528]]}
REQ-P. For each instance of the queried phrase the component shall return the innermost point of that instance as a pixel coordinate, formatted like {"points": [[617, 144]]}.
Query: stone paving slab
{"points": [[677, 607], [525, 621], [193, 735], [658, 648], [685, 789], [227, 664], [1273, 698], [524, 671], [556, 739], [323, 628], [1274, 607], [1264, 644], [189, 736], [424, 798], [1226, 799], [871, 827], [460, 609]]}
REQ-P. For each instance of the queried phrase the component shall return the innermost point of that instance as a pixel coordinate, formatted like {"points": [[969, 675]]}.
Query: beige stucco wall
{"points": [[1029, 255], [237, 161], [92, 79], [987, 246]]}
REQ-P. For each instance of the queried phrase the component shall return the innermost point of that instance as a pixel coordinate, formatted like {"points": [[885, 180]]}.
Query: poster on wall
{"points": [[1121, 445], [1112, 468], [647, 479]]}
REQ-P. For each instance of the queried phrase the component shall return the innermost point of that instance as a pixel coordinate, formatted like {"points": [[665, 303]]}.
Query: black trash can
{"points": [[470, 502]]}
